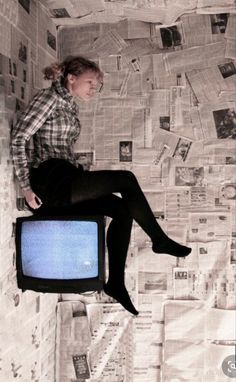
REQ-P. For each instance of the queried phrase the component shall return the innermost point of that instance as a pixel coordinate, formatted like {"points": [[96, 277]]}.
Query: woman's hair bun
{"points": [[53, 71]]}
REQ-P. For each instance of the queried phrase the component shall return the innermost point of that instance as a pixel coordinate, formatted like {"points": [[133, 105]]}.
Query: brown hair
{"points": [[76, 65]]}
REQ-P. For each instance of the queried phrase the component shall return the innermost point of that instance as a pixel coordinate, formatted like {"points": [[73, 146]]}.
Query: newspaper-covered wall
{"points": [[27, 319], [166, 112]]}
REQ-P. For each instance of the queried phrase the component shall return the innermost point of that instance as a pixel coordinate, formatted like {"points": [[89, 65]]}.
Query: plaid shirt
{"points": [[51, 119]]}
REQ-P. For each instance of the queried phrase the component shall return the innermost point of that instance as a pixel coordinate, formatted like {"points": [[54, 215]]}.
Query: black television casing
{"points": [[61, 285]]}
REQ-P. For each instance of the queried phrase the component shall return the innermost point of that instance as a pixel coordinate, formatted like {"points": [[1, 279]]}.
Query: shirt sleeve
{"points": [[26, 126]]}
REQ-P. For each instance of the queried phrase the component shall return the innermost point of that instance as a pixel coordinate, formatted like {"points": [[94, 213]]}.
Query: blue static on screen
{"points": [[59, 249]]}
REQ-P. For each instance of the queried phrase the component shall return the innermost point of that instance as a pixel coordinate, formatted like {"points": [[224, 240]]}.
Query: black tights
{"points": [[118, 232], [118, 238], [96, 184], [91, 186], [92, 192]]}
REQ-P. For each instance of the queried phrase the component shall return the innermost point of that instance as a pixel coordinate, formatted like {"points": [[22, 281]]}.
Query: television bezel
{"points": [[48, 285]]}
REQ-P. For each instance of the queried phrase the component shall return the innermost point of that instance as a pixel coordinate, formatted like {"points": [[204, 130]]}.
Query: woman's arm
{"points": [[27, 125]]}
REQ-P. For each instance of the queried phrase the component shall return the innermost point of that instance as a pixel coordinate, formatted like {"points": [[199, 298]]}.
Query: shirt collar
{"points": [[61, 89]]}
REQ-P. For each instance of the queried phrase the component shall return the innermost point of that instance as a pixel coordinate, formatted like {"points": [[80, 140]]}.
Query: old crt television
{"points": [[60, 254]]}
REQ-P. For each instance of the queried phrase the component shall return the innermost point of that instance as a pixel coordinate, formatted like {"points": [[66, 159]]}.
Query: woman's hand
{"points": [[32, 199]]}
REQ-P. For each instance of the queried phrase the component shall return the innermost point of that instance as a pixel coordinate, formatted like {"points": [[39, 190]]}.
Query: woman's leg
{"points": [[118, 238], [52, 182], [90, 185]]}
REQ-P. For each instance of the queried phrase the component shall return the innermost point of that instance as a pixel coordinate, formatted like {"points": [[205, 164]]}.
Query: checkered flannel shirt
{"points": [[51, 119]]}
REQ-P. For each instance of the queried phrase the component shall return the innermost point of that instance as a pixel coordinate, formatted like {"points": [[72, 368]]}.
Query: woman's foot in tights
{"points": [[171, 247], [120, 294]]}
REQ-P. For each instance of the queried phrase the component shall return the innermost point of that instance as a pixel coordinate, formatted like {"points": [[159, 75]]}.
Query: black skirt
{"points": [[52, 181]]}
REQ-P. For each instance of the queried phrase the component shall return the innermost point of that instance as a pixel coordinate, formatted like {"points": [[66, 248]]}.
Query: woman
{"points": [[52, 179]]}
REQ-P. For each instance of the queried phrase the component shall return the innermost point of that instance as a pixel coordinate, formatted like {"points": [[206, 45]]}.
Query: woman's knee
{"points": [[128, 177], [118, 207]]}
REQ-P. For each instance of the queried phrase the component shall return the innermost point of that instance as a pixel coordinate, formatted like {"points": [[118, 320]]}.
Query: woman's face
{"points": [[83, 86]]}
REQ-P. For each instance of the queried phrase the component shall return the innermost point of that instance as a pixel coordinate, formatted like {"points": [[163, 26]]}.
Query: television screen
{"points": [[60, 254]]}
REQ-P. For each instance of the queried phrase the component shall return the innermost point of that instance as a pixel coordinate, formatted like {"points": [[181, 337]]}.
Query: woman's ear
{"points": [[71, 78]]}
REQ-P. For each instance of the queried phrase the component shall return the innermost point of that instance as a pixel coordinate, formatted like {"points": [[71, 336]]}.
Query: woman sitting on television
{"points": [[51, 178]]}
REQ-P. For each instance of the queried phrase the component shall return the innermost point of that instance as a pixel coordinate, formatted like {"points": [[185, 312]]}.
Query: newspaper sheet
{"points": [[142, 133], [114, 124], [44, 59], [214, 286], [20, 46], [111, 340], [148, 324], [71, 8], [171, 145], [160, 98], [200, 30], [149, 176], [16, 74], [168, 36], [221, 152], [165, 12], [9, 10], [115, 84], [145, 14], [181, 340], [230, 50], [162, 78], [180, 111], [213, 84], [73, 341], [218, 176], [47, 33], [5, 203], [218, 120], [208, 255], [210, 226], [178, 201], [109, 43], [194, 58], [135, 49], [28, 23], [100, 17], [171, 110], [186, 175], [217, 322], [128, 29], [156, 200], [153, 281], [111, 64], [87, 116], [231, 24], [216, 6], [71, 42], [20, 358]]}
